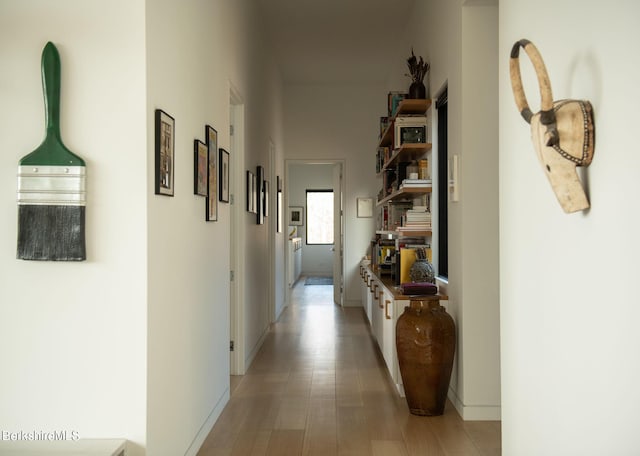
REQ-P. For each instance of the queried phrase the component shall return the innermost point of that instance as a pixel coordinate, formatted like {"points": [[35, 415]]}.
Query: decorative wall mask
{"points": [[563, 132]]}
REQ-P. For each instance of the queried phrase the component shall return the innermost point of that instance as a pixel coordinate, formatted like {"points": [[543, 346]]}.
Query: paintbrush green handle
{"points": [[52, 151], [51, 88]]}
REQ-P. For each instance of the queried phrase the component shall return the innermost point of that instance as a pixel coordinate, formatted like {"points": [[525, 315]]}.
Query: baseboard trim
{"points": [[475, 412], [249, 359], [208, 424]]}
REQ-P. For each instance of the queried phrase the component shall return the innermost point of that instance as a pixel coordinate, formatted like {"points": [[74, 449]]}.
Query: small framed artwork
{"points": [[364, 207], [279, 205], [212, 174], [224, 175], [200, 163], [254, 194], [250, 180], [296, 215], [265, 202], [260, 195], [165, 133]]}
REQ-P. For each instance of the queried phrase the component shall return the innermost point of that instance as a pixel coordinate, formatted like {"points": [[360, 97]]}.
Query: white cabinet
{"points": [[295, 260], [365, 294], [388, 333], [384, 304]]}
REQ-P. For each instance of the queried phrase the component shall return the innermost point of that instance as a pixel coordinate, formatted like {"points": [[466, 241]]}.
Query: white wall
{"points": [[132, 343], [569, 307], [73, 335], [340, 122], [460, 43], [316, 259], [197, 50], [188, 259]]}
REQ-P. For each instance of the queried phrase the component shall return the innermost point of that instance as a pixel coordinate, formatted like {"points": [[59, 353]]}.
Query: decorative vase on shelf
{"points": [[422, 271], [417, 91], [425, 342], [418, 69]]}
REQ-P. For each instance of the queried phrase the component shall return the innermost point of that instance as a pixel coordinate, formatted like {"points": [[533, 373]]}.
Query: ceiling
{"points": [[334, 41]]}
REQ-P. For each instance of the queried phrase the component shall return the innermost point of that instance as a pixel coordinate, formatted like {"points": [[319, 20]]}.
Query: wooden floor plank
{"points": [[388, 448], [285, 443], [319, 387]]}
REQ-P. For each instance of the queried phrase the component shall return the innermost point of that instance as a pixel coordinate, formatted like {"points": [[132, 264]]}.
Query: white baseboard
{"points": [[284, 306], [206, 427], [249, 359], [475, 412]]}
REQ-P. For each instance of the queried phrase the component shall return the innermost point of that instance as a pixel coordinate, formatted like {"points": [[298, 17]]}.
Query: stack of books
{"points": [[415, 183], [416, 219]]}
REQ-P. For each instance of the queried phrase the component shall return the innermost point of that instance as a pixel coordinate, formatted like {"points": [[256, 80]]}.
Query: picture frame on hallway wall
{"points": [[364, 207], [251, 194], [265, 202], [165, 133], [211, 136], [296, 215], [260, 195], [224, 175], [278, 205], [200, 164]]}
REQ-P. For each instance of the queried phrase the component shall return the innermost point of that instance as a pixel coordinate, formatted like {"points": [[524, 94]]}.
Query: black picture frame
{"points": [[200, 167], [260, 195], [250, 191], [296, 216], [165, 134], [211, 136], [278, 205], [223, 164], [265, 202]]}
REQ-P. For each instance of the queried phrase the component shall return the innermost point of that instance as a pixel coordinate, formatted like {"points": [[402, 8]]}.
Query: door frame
{"points": [[237, 232], [341, 223]]}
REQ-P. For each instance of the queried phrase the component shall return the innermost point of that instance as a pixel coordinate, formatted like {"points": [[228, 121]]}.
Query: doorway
{"points": [[237, 234], [302, 176]]}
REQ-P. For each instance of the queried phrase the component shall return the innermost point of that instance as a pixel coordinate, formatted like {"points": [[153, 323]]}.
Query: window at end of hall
{"points": [[319, 216]]}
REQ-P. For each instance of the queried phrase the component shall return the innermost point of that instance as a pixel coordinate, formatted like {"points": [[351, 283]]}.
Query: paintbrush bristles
{"points": [[51, 233]]}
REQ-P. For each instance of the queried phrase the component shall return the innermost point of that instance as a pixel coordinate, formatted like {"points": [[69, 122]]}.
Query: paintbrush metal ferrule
{"points": [[56, 185]]}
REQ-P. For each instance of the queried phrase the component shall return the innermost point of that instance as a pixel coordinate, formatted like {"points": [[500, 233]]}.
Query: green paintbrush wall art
{"points": [[51, 185]]}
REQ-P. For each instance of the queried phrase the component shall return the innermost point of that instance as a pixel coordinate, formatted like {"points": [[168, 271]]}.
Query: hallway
{"points": [[319, 386]]}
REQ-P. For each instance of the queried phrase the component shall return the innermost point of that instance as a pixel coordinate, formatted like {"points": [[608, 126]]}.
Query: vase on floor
{"points": [[425, 341]]}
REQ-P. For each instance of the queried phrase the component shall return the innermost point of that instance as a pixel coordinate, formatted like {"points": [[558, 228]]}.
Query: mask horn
{"points": [[547, 116]]}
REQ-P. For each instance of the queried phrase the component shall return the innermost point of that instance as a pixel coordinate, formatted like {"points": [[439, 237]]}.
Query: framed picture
{"points": [[165, 132], [393, 102], [200, 163], [254, 194], [260, 195], [224, 176], [296, 215], [265, 202], [212, 174], [251, 192], [279, 205], [364, 207]]}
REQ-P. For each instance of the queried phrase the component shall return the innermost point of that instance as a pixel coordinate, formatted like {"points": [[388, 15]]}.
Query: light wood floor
{"points": [[319, 386]]}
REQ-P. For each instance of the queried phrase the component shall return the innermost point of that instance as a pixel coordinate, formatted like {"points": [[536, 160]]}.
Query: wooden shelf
{"points": [[405, 107], [387, 137], [407, 152], [405, 193], [413, 233]]}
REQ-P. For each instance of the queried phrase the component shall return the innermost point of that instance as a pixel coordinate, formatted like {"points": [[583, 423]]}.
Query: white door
{"points": [[236, 228], [338, 243]]}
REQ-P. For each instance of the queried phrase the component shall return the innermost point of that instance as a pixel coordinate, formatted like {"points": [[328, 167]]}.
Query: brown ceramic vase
{"points": [[426, 342]]}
